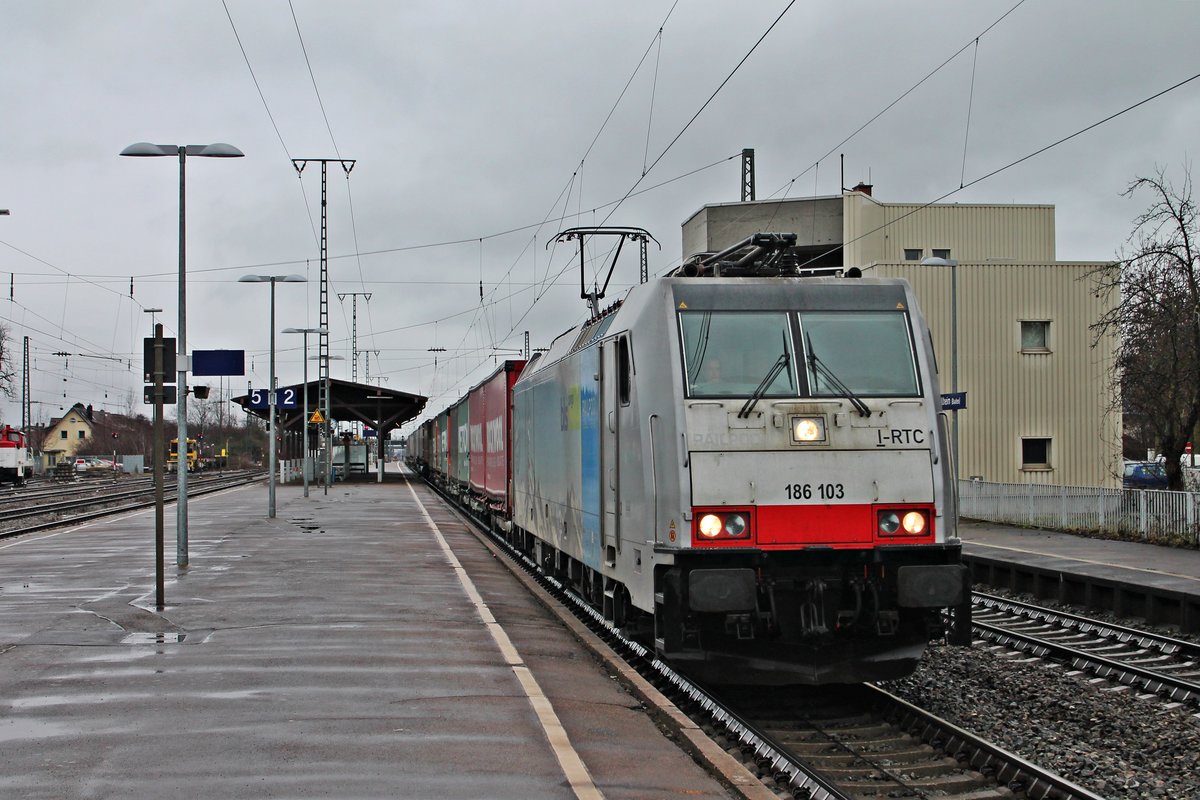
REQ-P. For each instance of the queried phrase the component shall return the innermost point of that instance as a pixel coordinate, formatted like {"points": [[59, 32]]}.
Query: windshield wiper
{"points": [[819, 367], [773, 373]]}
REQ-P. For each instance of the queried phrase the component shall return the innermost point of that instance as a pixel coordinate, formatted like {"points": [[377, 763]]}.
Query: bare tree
{"points": [[1154, 289], [8, 368]]}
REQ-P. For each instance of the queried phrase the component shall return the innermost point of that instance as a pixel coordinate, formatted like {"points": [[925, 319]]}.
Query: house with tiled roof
{"points": [[65, 435]]}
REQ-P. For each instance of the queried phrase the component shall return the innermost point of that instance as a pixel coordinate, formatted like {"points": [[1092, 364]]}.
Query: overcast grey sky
{"points": [[471, 119]]}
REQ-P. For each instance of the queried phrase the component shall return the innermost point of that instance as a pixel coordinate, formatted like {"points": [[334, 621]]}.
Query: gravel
{"points": [[1097, 736]]}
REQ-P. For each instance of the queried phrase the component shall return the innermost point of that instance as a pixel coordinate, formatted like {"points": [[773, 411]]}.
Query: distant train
{"points": [[193, 455], [745, 467], [16, 463]]}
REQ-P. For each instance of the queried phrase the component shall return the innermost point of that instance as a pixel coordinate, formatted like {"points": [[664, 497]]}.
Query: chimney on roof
{"points": [[865, 188]]}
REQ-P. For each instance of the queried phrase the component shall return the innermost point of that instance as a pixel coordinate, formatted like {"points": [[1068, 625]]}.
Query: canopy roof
{"points": [[378, 408]]}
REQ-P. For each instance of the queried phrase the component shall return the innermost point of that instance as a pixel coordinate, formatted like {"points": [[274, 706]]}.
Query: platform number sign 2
{"points": [[286, 397]]}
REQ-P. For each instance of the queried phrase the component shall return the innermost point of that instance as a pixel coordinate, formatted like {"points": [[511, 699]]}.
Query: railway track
{"points": [[826, 744], [93, 502], [1155, 664], [875, 745], [44, 494]]}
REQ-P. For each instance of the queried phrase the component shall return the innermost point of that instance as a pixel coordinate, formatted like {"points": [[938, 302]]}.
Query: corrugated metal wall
{"points": [[1062, 395], [981, 233]]}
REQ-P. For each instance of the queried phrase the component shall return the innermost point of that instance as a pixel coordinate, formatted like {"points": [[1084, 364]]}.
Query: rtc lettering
{"points": [[899, 436]]}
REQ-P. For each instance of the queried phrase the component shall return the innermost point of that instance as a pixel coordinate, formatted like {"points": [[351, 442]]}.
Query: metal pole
{"points": [[304, 423], [323, 315], [271, 405], [181, 509], [954, 359], [156, 461], [26, 418]]}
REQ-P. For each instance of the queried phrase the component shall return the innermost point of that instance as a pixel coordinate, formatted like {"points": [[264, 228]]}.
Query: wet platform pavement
{"points": [[1136, 562], [330, 652]]}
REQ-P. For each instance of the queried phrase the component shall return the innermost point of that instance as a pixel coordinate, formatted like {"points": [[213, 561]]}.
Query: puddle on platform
{"points": [[144, 637], [12, 729]]}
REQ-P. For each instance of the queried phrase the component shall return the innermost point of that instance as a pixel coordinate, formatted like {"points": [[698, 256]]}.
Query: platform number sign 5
{"points": [[284, 398]]}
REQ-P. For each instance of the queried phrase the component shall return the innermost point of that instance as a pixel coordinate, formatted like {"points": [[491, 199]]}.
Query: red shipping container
{"points": [[495, 395]]}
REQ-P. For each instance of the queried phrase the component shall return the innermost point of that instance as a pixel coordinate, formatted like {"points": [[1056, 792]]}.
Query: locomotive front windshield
{"points": [[868, 351], [731, 353]]}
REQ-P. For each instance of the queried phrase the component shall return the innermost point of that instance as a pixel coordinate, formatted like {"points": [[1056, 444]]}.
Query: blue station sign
{"points": [[285, 398], [218, 362], [954, 401]]}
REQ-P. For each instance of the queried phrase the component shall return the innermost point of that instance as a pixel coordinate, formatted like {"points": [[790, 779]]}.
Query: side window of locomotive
{"points": [[729, 353], [871, 352], [624, 369]]}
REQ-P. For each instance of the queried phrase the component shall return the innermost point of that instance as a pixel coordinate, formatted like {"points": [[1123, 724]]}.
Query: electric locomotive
{"points": [[747, 466]]}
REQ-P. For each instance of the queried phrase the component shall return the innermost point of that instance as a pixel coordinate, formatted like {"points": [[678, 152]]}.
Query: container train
{"points": [[744, 466], [16, 464]]}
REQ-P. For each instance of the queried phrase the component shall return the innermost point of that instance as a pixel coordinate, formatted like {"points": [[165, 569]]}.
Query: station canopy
{"points": [[381, 409]]}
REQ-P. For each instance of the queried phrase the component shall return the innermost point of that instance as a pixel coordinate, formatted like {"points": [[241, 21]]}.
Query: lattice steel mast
{"points": [[323, 348], [354, 328]]}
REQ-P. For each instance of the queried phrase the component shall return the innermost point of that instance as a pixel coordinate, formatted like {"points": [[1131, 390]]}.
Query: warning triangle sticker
{"points": [[316, 418]]}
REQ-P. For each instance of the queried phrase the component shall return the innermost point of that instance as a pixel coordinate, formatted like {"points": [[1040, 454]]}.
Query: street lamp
{"points": [[218, 150], [304, 422], [272, 279], [953, 265]]}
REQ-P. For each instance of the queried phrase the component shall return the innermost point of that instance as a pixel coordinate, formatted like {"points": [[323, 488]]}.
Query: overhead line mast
{"points": [[354, 329], [323, 324]]}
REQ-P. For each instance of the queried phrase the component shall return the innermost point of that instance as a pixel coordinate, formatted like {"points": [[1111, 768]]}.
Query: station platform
{"points": [[362, 644], [1138, 579]]}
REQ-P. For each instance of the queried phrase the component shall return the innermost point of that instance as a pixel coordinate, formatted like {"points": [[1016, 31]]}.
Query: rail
{"points": [[1151, 662]]}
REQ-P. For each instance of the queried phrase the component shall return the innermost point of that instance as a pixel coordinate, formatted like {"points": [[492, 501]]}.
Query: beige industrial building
{"points": [[1037, 390]]}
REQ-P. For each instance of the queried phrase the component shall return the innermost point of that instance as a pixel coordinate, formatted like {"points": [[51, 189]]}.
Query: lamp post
{"points": [[217, 150], [304, 422], [272, 279], [953, 265]]}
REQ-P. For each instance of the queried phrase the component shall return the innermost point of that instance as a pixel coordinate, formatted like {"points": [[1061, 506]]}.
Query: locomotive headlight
{"points": [[735, 525], [710, 526], [889, 522], [808, 429], [913, 522], [904, 522]]}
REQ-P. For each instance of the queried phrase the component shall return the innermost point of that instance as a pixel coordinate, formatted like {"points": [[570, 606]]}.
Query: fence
{"points": [[1143, 513]]}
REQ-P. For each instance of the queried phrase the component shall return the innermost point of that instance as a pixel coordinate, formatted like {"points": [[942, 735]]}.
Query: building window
{"points": [[62, 434], [83, 434], [1035, 454], [941, 253], [912, 253], [1035, 336]]}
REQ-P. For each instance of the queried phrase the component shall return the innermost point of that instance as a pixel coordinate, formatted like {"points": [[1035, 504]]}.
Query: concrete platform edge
{"points": [[666, 714]]}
